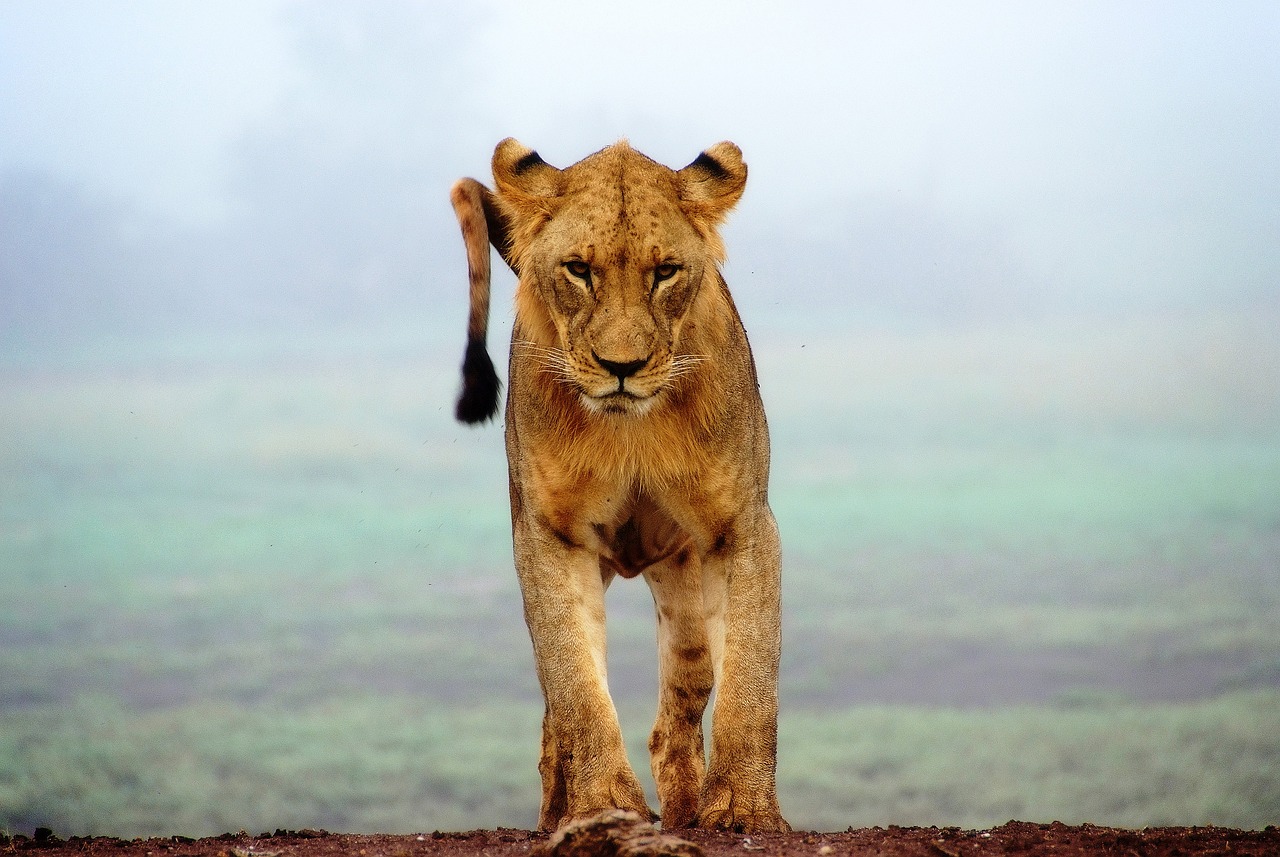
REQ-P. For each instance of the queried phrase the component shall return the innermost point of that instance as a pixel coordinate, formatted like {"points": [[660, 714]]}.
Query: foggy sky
{"points": [[251, 159]]}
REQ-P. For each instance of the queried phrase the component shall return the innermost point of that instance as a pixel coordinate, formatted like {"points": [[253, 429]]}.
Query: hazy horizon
{"points": [[247, 164]]}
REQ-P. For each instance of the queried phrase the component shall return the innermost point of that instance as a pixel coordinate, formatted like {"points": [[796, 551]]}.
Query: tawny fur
{"points": [[637, 445]]}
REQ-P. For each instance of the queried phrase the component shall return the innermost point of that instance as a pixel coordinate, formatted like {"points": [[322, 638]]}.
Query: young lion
{"points": [[637, 445]]}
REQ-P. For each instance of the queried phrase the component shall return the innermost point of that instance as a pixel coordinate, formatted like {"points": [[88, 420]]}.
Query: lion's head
{"points": [[612, 252]]}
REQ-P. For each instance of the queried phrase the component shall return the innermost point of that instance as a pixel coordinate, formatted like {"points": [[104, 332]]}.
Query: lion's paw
{"points": [[725, 809]]}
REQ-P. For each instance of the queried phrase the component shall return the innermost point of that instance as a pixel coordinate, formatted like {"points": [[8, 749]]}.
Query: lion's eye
{"points": [[664, 272], [578, 268]]}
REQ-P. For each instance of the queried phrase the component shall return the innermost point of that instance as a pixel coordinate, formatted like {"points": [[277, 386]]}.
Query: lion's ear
{"points": [[713, 183], [523, 179]]}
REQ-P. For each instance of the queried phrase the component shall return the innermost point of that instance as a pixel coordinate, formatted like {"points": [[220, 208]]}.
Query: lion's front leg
{"points": [[584, 765], [742, 589]]}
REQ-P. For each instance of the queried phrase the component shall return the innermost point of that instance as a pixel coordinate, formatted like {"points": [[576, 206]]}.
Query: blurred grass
{"points": [[373, 763], [390, 763], [1101, 762], [278, 594]]}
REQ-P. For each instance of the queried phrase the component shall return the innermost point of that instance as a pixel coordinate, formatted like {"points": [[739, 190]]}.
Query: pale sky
{"points": [[1108, 151]]}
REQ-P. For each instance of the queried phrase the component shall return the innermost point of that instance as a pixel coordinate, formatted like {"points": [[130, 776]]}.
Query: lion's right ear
{"points": [[713, 183], [524, 181]]}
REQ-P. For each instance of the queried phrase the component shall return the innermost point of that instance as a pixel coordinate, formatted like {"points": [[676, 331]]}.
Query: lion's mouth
{"points": [[619, 402]]}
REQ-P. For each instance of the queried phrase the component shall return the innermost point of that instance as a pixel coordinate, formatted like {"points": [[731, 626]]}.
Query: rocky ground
{"points": [[622, 837]]}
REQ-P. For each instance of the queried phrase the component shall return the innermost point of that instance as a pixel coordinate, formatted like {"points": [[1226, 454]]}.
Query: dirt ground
{"points": [[1013, 838]]}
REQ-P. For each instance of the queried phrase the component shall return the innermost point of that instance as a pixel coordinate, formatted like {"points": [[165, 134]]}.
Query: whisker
{"points": [[554, 360], [683, 364], [689, 358], [529, 345]]}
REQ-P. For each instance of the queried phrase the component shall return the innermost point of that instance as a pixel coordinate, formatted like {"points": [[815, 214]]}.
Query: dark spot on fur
{"points": [[711, 166], [682, 558], [528, 162], [689, 703], [721, 542], [691, 653], [560, 534]]}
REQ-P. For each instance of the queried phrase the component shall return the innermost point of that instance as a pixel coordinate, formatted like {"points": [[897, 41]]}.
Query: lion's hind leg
{"points": [[676, 749]]}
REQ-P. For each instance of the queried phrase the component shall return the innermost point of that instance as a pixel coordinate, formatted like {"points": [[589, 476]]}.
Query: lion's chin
{"points": [[620, 404]]}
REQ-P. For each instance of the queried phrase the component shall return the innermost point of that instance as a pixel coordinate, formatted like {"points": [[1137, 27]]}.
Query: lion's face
{"points": [[615, 247], [619, 266]]}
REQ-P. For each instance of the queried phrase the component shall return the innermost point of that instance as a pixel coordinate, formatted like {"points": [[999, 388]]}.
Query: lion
{"points": [[637, 446]]}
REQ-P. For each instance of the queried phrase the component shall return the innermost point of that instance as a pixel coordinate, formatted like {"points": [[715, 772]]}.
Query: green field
{"points": [[1032, 571]]}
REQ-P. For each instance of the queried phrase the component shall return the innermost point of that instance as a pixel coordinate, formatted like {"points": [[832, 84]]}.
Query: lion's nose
{"points": [[621, 370]]}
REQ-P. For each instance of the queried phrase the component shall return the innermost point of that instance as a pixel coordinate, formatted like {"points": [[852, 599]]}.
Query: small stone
{"points": [[615, 833]]}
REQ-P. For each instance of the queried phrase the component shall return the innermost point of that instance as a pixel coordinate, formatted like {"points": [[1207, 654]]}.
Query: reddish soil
{"points": [[1013, 838]]}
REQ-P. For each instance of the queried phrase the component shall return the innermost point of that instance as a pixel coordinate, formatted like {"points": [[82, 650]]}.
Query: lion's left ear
{"points": [[713, 183], [525, 181]]}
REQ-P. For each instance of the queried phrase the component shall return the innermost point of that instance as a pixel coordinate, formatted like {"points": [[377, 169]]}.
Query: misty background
{"points": [[167, 169], [1012, 276]]}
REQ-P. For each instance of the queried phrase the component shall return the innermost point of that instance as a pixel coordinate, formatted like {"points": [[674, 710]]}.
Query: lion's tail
{"points": [[473, 203]]}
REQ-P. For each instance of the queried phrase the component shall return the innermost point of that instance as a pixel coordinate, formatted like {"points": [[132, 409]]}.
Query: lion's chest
{"points": [[643, 537], [636, 491]]}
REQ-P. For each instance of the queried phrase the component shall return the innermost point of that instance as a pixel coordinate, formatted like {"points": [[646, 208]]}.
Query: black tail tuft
{"points": [[480, 385]]}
